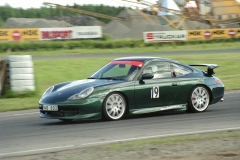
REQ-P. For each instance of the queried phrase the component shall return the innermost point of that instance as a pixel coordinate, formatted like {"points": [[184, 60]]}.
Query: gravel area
{"points": [[220, 146]]}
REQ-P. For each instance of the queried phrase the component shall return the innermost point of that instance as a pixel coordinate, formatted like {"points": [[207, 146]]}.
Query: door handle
{"points": [[174, 84]]}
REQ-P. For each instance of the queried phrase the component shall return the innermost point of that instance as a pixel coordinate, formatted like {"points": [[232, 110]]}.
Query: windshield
{"points": [[119, 70]]}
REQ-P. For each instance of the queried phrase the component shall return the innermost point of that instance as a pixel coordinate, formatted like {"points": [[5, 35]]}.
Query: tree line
{"points": [[7, 11]]}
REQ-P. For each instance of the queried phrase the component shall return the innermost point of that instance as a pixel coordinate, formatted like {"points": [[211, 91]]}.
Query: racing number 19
{"points": [[155, 92]]}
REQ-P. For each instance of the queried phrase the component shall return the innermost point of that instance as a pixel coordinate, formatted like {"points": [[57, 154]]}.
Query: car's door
{"points": [[158, 91], [185, 82]]}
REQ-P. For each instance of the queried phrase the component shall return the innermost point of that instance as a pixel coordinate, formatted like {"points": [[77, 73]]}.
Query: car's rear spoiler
{"points": [[210, 67]]}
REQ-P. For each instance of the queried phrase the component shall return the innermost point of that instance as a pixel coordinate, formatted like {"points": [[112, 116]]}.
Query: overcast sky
{"points": [[39, 3]]}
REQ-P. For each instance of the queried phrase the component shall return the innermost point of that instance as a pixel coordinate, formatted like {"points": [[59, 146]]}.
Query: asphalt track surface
{"points": [[157, 54], [23, 132]]}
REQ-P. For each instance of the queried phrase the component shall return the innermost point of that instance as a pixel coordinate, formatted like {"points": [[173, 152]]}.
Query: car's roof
{"points": [[142, 59]]}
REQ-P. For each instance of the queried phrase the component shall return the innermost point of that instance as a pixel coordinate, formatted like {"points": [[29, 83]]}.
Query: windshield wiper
{"points": [[110, 78], [91, 78]]}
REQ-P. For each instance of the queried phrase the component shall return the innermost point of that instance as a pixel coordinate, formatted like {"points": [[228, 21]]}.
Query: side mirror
{"points": [[147, 76]]}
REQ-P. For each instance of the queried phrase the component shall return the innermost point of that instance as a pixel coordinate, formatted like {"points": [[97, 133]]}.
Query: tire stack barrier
{"points": [[20, 73]]}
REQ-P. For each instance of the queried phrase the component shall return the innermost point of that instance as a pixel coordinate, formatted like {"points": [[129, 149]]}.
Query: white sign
{"points": [[56, 33], [87, 32], [165, 36]]}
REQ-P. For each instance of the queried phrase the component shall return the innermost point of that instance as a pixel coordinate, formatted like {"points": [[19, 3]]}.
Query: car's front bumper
{"points": [[79, 109]]}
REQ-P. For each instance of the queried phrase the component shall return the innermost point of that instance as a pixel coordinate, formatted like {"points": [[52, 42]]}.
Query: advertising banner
{"points": [[56, 33], [19, 34], [220, 33], [233, 32], [165, 36], [4, 35], [87, 32]]}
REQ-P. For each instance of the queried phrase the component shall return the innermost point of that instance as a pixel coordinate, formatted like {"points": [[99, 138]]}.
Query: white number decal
{"points": [[155, 92]]}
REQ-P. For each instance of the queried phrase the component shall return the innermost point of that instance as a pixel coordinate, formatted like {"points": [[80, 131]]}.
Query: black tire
{"points": [[198, 100], [114, 106]]}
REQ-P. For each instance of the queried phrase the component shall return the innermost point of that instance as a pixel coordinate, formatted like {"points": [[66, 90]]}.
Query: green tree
{"points": [[1, 23], [7, 11]]}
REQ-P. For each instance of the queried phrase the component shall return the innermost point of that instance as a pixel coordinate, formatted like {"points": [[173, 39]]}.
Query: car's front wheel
{"points": [[114, 106], [199, 99]]}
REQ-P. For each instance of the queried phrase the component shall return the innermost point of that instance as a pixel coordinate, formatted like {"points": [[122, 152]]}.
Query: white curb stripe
{"points": [[11, 115], [35, 150], [159, 136]]}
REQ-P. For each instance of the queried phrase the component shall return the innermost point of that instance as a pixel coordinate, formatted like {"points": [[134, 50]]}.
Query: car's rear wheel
{"points": [[114, 106], [199, 99]]}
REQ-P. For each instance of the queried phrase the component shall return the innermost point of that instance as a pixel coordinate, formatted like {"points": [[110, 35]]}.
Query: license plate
{"points": [[50, 107]]}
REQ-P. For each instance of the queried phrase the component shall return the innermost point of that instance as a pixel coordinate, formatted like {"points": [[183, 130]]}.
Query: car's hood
{"points": [[80, 85], [74, 87]]}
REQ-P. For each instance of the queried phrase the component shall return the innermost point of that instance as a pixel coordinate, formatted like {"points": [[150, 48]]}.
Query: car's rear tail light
{"points": [[218, 81]]}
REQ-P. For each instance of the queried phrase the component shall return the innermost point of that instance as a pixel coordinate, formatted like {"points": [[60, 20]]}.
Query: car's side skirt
{"points": [[156, 109]]}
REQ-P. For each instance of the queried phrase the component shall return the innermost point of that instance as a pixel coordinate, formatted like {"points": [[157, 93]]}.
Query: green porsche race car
{"points": [[133, 85]]}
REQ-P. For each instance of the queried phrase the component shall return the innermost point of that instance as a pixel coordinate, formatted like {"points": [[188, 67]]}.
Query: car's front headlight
{"points": [[48, 91], [82, 94]]}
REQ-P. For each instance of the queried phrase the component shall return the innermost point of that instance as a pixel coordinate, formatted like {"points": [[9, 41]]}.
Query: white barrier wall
{"points": [[165, 36], [21, 73]]}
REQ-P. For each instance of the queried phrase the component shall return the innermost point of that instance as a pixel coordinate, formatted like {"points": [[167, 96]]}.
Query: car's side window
{"points": [[180, 70], [159, 69]]}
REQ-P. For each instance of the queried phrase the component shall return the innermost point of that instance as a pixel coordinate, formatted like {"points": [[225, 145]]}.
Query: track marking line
{"points": [[231, 92], [159, 136], [28, 152], [10, 115], [35, 150]]}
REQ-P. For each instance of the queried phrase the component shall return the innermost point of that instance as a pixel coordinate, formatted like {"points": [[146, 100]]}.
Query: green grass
{"points": [[51, 71], [14, 104], [139, 49]]}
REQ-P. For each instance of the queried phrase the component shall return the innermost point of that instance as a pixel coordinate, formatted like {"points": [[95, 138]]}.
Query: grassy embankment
{"points": [[138, 48], [51, 71]]}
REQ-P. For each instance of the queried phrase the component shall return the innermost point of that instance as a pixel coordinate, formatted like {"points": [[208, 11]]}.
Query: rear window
{"points": [[181, 70]]}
